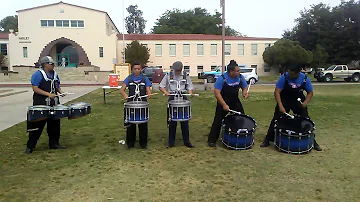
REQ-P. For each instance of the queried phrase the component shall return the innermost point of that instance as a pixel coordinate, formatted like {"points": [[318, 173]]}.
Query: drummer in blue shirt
{"points": [[227, 95], [289, 88], [142, 82]]}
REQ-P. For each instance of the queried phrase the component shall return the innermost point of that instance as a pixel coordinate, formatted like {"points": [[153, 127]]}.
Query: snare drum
{"points": [[60, 111], [179, 110], [79, 109], [294, 136], [136, 112], [238, 131], [38, 113]]}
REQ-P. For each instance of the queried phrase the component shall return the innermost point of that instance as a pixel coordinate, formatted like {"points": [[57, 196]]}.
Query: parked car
{"points": [[149, 72], [307, 70], [211, 75], [338, 71], [249, 75]]}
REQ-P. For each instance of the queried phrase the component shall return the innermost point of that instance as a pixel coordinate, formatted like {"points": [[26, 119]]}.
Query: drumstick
{"points": [[148, 95], [289, 115], [183, 94], [234, 112], [299, 99], [66, 93], [249, 87]]}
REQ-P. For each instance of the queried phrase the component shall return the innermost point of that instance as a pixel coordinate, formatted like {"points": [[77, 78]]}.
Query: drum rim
{"points": [[39, 107], [243, 148], [244, 115], [179, 102], [290, 132], [136, 104], [291, 152]]}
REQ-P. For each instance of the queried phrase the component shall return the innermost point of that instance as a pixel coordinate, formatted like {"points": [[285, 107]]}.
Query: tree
{"points": [[320, 56], [2, 60], [285, 52], [194, 21], [9, 22], [135, 23], [137, 52], [335, 29]]}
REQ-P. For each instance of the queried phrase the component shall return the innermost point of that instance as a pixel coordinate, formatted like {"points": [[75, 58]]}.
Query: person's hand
{"points": [[149, 95], [303, 105], [226, 107], [167, 93], [52, 96], [282, 109], [245, 95], [126, 97]]}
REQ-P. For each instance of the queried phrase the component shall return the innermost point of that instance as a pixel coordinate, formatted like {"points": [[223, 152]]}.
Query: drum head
{"points": [[180, 102], [39, 107], [61, 107], [235, 122], [137, 104], [297, 125]]}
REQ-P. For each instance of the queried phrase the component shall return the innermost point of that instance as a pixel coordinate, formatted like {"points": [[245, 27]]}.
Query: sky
{"points": [[256, 18]]}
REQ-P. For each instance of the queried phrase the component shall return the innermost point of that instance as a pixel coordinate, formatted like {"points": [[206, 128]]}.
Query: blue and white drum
{"points": [[294, 136], [179, 110], [238, 131], [136, 112], [38, 113], [79, 109], [60, 111]]}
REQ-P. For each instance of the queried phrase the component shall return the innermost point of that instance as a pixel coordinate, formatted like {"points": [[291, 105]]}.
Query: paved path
{"points": [[13, 107]]}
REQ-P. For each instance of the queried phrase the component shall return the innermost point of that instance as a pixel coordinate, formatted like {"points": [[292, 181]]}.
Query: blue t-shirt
{"points": [[137, 80], [230, 81], [37, 77], [295, 83]]}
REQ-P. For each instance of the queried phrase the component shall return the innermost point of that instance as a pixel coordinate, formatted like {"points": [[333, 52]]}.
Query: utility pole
{"points": [[123, 32], [222, 4]]}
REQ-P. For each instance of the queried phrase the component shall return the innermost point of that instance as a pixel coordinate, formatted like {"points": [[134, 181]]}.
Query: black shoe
{"points": [[170, 146], [28, 151], [130, 146], [266, 143], [57, 147], [317, 147], [189, 145], [211, 144]]}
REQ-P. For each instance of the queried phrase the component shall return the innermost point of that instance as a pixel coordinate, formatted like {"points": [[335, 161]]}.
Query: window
{"points": [[62, 23], [227, 49], [254, 49], [146, 46], [213, 49], [255, 67], [172, 49], [25, 52], [186, 50], [245, 70], [3, 49], [47, 23], [200, 69], [266, 68], [187, 69], [158, 49], [338, 68], [213, 68], [159, 67], [101, 52], [77, 23], [240, 49], [200, 49], [61, 10]]}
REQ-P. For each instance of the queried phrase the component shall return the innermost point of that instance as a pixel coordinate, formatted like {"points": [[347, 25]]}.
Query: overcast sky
{"points": [[261, 18]]}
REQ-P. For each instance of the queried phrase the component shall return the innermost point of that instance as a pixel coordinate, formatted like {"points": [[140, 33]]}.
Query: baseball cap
{"points": [[177, 66], [47, 59]]}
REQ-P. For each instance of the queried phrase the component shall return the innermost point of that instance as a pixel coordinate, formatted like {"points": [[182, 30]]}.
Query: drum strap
{"points": [[48, 79]]}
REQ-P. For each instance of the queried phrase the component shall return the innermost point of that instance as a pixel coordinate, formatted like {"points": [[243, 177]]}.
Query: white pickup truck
{"points": [[338, 71]]}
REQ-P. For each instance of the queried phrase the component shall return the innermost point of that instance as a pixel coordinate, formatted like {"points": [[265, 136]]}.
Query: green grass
{"points": [[95, 167]]}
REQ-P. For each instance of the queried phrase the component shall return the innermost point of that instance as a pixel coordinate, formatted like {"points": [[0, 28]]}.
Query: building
{"points": [[77, 36]]}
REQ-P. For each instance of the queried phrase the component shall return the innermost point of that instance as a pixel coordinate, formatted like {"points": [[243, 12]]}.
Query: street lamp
{"points": [[222, 5]]}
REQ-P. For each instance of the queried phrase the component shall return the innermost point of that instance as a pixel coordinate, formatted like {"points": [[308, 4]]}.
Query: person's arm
{"points": [[122, 91], [58, 85], [217, 92], [35, 82], [148, 85], [37, 90], [162, 86], [310, 93], [280, 84], [244, 87], [190, 86]]}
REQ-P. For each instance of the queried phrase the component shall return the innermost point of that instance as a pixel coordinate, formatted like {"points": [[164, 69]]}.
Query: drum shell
{"points": [[78, 110], [136, 112], [238, 132], [294, 140], [179, 110], [38, 113], [60, 111]]}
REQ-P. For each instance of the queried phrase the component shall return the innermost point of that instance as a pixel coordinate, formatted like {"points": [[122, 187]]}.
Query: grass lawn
{"points": [[95, 167]]}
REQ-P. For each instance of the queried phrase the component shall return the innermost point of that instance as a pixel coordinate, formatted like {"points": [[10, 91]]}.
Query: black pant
{"points": [[220, 114], [53, 131], [184, 132], [295, 107], [131, 134]]}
